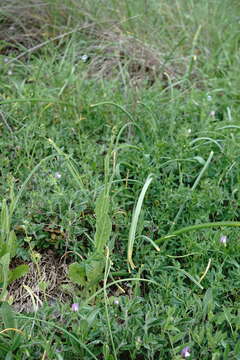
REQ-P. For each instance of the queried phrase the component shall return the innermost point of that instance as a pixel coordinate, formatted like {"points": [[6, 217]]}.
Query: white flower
{"points": [[185, 353], [223, 240], [84, 58], [57, 175]]}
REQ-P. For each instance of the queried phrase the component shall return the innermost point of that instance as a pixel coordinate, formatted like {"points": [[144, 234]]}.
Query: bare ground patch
{"points": [[28, 293]]}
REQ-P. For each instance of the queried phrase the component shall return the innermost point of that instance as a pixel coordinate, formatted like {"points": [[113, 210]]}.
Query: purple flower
{"points": [[75, 307], [185, 353], [223, 240]]}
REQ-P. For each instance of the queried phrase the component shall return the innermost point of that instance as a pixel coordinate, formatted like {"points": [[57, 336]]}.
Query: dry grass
{"points": [[22, 26], [49, 270], [115, 55]]}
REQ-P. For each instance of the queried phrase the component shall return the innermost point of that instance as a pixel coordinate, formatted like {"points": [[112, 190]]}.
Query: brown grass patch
{"points": [[22, 25], [115, 55], [52, 271]]}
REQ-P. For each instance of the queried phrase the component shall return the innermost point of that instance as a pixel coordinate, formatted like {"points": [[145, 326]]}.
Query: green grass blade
{"points": [[192, 189], [199, 227], [116, 105], [186, 274], [135, 217]]}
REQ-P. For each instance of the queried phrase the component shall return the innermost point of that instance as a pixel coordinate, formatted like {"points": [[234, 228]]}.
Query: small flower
{"points": [[138, 342], [116, 301], [223, 240], [75, 307], [10, 72], [209, 98], [212, 113], [84, 58], [57, 175], [185, 353]]}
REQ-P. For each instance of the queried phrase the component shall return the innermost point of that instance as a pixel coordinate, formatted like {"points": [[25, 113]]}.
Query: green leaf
{"points": [[103, 221], [9, 356], [4, 222], [135, 218], [94, 267], [3, 249], [4, 262], [77, 273], [11, 244], [8, 316], [17, 273]]}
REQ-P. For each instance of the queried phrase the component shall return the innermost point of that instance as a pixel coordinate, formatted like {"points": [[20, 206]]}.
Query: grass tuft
{"points": [[122, 89]]}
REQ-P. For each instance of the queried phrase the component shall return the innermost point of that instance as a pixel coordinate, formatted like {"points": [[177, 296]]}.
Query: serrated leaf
{"points": [[77, 273], [17, 273], [103, 221], [94, 268], [4, 222]]}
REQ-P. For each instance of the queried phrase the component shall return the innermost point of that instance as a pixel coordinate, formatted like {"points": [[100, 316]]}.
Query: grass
{"points": [[157, 94]]}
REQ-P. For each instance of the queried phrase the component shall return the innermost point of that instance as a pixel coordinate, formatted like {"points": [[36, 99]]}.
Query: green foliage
{"points": [[103, 221], [182, 126], [135, 217], [8, 316], [12, 337], [17, 272], [8, 247], [90, 271]]}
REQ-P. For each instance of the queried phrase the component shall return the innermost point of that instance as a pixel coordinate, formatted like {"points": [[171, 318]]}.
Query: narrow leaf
{"points": [[135, 217], [11, 244], [4, 262], [4, 222]]}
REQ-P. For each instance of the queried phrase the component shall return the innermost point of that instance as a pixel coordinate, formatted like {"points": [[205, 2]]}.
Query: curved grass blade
{"points": [[199, 227], [134, 222]]}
